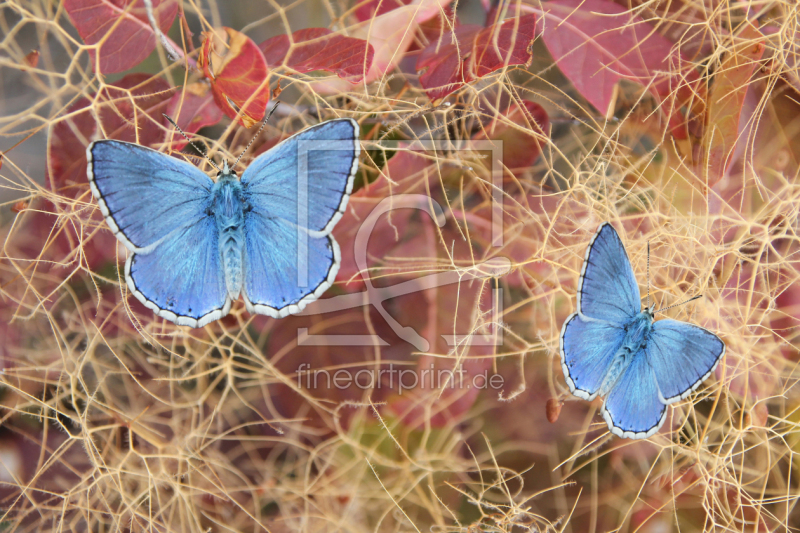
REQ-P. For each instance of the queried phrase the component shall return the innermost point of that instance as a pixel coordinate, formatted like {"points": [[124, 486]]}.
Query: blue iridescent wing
{"points": [[306, 179], [144, 194], [682, 356], [276, 283], [181, 278], [587, 348], [296, 193], [633, 409], [607, 289], [156, 206]]}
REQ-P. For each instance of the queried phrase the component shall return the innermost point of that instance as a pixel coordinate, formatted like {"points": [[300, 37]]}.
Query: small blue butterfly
{"points": [[613, 348], [196, 244]]}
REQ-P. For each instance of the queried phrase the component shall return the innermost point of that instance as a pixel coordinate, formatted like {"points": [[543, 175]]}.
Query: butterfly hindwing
{"points": [[181, 279], [633, 408], [143, 194], [607, 289], [587, 349], [682, 356], [296, 192], [276, 282]]}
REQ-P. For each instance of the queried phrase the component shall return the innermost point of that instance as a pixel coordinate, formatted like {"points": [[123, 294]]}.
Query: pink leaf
{"points": [[320, 49], [471, 52], [373, 8], [121, 26], [442, 64], [520, 149], [390, 35], [503, 44], [726, 101], [596, 43]]}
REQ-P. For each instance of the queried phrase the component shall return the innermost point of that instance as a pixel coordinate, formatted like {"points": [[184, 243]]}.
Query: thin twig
{"points": [[172, 52]]}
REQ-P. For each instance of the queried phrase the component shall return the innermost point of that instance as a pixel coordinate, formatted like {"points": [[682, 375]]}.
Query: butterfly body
{"points": [[613, 348], [229, 208], [635, 339], [197, 244]]}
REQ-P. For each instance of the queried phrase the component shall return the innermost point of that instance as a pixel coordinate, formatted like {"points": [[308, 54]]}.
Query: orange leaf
{"points": [[238, 74], [726, 99]]}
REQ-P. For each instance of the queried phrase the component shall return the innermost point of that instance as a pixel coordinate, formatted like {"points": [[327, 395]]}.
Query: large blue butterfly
{"points": [[196, 244], [613, 348]]}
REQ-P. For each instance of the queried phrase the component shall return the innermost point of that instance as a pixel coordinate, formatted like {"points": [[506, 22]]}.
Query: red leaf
{"points": [[442, 63], [520, 149], [197, 110], [504, 44], [390, 35], [373, 8], [66, 150], [320, 49], [123, 28], [120, 100], [471, 52], [238, 74], [726, 100], [597, 42]]}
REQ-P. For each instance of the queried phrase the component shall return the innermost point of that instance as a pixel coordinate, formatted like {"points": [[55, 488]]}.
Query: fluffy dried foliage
{"points": [[677, 121]]}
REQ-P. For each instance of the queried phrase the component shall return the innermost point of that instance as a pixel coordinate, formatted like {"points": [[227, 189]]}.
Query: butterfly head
{"points": [[651, 310], [226, 170]]}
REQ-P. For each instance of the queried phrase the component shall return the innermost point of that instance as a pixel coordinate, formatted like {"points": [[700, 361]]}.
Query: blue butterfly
{"points": [[197, 245], [613, 348]]}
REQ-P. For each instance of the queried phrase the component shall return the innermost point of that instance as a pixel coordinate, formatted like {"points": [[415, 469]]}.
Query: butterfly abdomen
{"points": [[228, 209]]}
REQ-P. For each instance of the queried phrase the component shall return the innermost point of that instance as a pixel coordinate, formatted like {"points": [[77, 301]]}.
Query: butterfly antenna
{"points": [[204, 154], [264, 123], [648, 274], [693, 298]]}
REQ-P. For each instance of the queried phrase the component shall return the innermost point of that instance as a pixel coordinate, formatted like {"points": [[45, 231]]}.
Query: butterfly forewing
{"points": [[143, 194], [309, 175], [607, 289], [682, 356]]}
